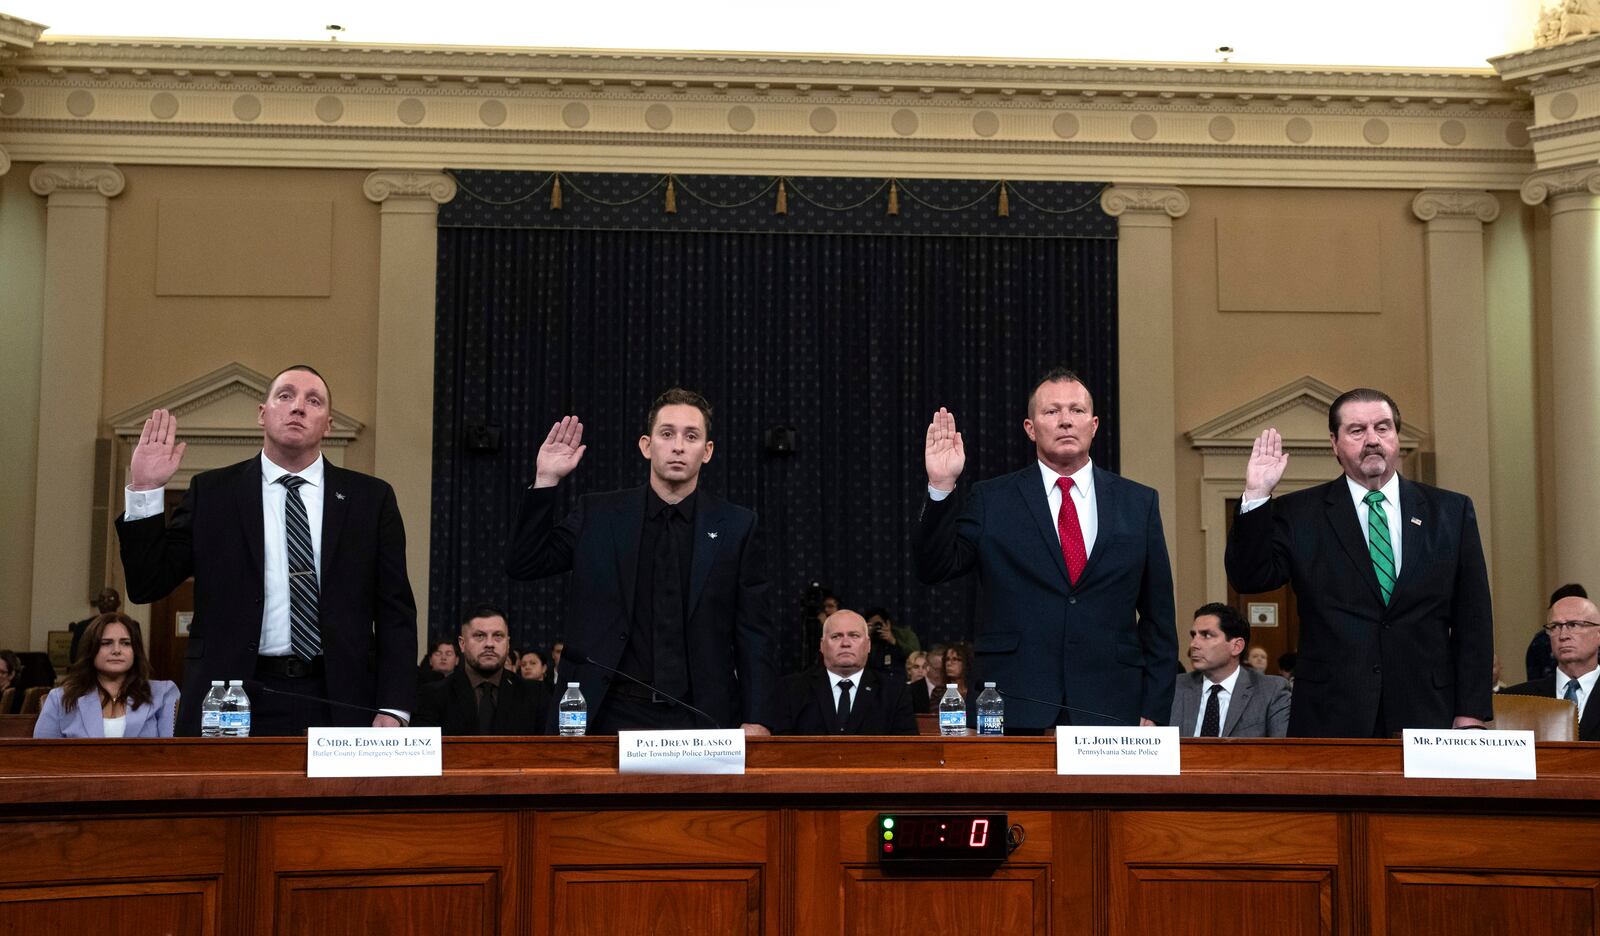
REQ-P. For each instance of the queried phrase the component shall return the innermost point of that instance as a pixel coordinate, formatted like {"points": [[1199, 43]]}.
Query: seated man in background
{"points": [[1541, 659], [481, 697], [845, 696], [925, 694], [1574, 629], [440, 662], [901, 635], [1220, 698]]}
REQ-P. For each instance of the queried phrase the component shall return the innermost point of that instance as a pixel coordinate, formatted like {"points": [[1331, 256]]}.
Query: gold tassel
{"points": [[555, 194], [672, 196], [783, 198], [1005, 201], [894, 198]]}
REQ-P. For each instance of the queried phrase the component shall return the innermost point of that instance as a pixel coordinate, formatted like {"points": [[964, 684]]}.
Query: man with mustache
{"points": [[1078, 616], [1389, 576]]}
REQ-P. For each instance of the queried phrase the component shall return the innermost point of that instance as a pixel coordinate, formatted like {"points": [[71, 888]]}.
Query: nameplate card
{"points": [[1469, 754], [717, 751], [374, 752], [1116, 751]]}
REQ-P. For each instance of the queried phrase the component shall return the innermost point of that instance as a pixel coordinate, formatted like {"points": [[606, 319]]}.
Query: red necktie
{"points": [[1071, 534]]}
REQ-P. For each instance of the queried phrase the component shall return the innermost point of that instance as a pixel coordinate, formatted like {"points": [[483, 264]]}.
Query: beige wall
{"points": [[22, 218], [1225, 359], [157, 342]]}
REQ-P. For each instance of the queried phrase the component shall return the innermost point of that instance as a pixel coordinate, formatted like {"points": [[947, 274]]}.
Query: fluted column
{"points": [[1458, 342], [72, 365], [1148, 411], [1574, 199], [407, 267]]}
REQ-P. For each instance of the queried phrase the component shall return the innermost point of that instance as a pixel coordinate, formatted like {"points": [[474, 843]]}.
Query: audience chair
{"points": [[1549, 719]]}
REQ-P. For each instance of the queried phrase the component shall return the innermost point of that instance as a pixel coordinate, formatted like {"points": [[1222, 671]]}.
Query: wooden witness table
{"points": [[543, 836]]}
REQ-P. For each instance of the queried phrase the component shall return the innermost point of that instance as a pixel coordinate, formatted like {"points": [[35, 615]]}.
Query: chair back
{"points": [[8, 698], [1549, 719], [33, 700]]}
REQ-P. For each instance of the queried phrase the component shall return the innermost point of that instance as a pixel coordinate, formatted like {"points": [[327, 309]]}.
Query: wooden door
{"points": [[1278, 640]]}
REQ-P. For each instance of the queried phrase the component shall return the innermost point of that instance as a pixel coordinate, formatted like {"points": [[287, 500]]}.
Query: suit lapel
{"points": [[1031, 489], [866, 695], [822, 694], [247, 496], [707, 543], [1243, 688], [1413, 506], [1341, 511], [89, 718], [629, 520], [1189, 692], [335, 508]]}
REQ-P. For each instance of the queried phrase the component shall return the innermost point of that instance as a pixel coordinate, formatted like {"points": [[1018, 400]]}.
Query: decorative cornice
{"points": [[17, 35], [1444, 203], [1119, 199], [1545, 185], [385, 184], [1547, 62], [99, 178]]}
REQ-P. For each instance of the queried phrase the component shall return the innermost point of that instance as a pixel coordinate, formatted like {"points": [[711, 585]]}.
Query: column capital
{"points": [[1121, 199], [101, 179], [385, 183], [1549, 183], [1447, 204]]}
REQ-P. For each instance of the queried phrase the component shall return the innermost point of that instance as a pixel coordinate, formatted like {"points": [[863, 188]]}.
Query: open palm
{"points": [[943, 453], [562, 450], [158, 454]]}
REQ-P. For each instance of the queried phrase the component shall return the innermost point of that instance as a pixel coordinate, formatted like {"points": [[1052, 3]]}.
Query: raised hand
{"points": [[943, 454], [1266, 465], [156, 457], [560, 453]]}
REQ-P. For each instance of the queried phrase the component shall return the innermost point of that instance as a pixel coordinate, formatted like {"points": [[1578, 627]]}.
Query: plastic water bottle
{"points": [[211, 711], [574, 712], [236, 711], [952, 713], [991, 712]]}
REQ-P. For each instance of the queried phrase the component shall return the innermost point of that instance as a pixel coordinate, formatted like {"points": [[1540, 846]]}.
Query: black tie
{"points": [[305, 637], [1212, 726], [844, 703], [485, 708], [671, 661]]}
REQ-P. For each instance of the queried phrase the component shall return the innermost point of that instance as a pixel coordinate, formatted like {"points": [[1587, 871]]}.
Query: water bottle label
{"points": [[574, 719], [991, 724], [210, 719], [234, 721], [956, 719]]}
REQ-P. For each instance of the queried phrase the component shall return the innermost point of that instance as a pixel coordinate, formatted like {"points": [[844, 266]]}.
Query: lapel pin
{"points": [[1417, 521], [712, 534], [340, 496]]}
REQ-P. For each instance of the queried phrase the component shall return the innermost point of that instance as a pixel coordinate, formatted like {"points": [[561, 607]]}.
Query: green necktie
{"points": [[1378, 543]]}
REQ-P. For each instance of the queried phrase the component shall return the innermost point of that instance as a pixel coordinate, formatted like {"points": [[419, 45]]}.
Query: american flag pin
{"points": [[1417, 521], [712, 534]]}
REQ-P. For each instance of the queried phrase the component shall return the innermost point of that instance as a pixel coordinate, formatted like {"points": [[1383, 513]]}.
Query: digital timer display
{"points": [[941, 837]]}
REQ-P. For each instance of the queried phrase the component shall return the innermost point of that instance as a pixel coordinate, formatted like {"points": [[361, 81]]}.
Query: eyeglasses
{"points": [[1557, 626]]}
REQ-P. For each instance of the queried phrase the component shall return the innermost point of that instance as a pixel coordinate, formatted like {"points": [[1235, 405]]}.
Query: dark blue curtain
{"points": [[851, 339]]}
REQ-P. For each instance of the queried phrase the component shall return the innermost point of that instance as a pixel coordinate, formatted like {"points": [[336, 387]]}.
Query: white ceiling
{"points": [[1414, 33]]}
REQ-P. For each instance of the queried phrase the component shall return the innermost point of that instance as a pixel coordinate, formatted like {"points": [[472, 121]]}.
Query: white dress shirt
{"points": [[1585, 687], [855, 687], [1082, 498], [1358, 494], [1223, 698]]}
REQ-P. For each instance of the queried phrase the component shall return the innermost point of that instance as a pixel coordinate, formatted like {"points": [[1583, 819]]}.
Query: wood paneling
{"points": [[156, 908], [1265, 901], [1424, 903], [1013, 899], [680, 901], [397, 904]]}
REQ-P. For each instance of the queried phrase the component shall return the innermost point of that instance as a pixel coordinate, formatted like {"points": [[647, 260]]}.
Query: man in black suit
{"points": [[1219, 698], [482, 697], [845, 696], [1574, 629], [1077, 586], [299, 569], [667, 582], [1389, 577]]}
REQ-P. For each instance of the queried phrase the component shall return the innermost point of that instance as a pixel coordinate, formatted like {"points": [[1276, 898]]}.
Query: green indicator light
{"points": [[888, 836], [888, 822]]}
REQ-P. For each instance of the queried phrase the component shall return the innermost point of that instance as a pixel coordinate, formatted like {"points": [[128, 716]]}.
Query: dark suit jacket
{"points": [[1259, 707], [1105, 645], [1426, 657], [451, 704], [365, 609], [922, 701], [880, 705], [1588, 725], [729, 632]]}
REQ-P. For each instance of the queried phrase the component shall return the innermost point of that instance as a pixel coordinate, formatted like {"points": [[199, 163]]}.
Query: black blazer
{"points": [[880, 705], [1588, 725], [451, 705], [1105, 645], [365, 608], [1426, 657], [730, 635]]}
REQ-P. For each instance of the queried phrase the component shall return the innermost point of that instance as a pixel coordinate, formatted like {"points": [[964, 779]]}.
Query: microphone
{"points": [[256, 686], [576, 655], [1060, 705]]}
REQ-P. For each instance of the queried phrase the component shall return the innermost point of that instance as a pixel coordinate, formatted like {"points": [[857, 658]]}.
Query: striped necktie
{"points": [[305, 636], [1378, 543]]}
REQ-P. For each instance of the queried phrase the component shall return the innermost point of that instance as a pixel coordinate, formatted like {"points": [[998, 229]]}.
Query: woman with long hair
{"points": [[108, 692], [957, 659]]}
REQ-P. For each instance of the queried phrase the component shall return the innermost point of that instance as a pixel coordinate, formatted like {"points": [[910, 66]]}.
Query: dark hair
{"points": [[1059, 375], [15, 663], [308, 369], [677, 396], [1360, 395], [1228, 618], [82, 677], [1569, 590], [108, 596], [963, 653], [476, 611], [878, 611], [544, 658], [441, 642], [1287, 661]]}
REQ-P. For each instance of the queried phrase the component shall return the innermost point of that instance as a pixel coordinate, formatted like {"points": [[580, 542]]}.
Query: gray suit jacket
{"points": [[1259, 707]]}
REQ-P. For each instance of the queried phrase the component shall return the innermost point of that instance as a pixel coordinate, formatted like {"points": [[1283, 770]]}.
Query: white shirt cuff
{"points": [[137, 505], [404, 716], [1245, 506], [936, 495]]}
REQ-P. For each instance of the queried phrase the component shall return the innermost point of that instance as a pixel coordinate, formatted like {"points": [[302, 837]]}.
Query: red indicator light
{"points": [[888, 846]]}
